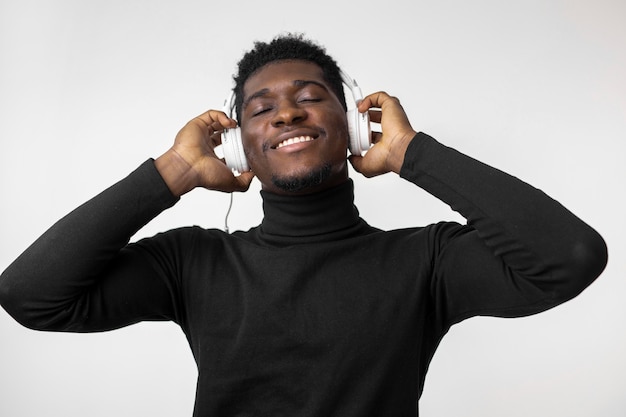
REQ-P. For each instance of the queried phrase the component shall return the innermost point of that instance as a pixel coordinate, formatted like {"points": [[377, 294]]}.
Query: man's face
{"points": [[294, 128]]}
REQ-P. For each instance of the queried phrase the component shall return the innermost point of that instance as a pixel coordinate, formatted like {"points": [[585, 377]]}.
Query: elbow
{"points": [[22, 303], [35, 307], [588, 258], [12, 301], [591, 256]]}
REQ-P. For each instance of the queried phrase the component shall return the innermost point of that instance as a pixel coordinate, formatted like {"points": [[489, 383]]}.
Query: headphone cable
{"points": [[230, 205]]}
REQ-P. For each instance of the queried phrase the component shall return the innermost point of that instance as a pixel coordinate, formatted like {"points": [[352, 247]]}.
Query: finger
{"points": [[375, 100], [216, 138], [217, 120], [225, 121], [375, 116], [216, 128], [376, 137]]}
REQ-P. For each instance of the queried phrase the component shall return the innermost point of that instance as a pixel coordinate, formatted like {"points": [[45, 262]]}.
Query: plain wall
{"points": [[91, 89]]}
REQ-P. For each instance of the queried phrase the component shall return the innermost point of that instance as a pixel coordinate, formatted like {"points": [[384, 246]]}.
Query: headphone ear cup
{"points": [[233, 150], [359, 131]]}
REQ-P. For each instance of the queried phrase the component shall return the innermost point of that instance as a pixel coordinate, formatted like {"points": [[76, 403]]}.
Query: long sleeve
{"points": [[82, 264], [521, 252]]}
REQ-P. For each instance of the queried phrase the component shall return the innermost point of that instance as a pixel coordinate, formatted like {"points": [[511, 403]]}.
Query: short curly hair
{"points": [[286, 47]]}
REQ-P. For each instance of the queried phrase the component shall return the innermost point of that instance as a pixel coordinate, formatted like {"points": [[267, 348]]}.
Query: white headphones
{"points": [[359, 131]]}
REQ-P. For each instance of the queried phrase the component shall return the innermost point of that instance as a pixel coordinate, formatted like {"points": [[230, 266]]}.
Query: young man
{"points": [[313, 312]]}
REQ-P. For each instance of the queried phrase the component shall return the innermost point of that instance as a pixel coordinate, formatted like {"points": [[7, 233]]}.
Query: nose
{"points": [[288, 113]]}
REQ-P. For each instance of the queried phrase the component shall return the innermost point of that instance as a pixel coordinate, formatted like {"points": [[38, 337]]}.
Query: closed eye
{"points": [[261, 111]]}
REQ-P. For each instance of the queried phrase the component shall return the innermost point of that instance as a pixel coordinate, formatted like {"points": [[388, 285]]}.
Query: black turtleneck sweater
{"points": [[313, 312]]}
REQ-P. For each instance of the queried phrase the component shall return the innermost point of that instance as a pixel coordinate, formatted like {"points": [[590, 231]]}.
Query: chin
{"points": [[297, 183]]}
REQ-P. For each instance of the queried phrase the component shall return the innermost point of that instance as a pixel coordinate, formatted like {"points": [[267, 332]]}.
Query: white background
{"points": [[90, 89]]}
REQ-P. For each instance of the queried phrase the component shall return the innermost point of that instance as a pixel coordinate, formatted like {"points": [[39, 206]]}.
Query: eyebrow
{"points": [[264, 91]]}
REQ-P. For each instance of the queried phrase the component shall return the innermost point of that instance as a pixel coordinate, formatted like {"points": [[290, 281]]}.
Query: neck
{"points": [[323, 216]]}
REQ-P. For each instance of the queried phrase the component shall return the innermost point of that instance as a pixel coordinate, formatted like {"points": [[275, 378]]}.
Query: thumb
{"points": [[244, 180], [358, 164], [373, 163]]}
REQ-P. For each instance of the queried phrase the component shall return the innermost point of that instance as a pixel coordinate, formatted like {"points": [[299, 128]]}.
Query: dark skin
{"points": [[283, 100], [287, 100]]}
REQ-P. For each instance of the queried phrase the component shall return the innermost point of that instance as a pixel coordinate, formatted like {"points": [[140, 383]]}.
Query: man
{"points": [[314, 312]]}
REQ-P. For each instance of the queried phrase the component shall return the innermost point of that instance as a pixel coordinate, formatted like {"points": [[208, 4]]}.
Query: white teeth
{"points": [[297, 139]]}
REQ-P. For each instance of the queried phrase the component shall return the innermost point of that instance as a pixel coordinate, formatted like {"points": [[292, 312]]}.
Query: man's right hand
{"points": [[191, 161]]}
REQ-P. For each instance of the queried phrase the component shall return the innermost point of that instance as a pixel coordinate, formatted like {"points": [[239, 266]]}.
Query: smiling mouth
{"points": [[297, 139]]}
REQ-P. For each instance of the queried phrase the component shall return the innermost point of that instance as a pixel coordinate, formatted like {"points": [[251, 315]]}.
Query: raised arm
{"points": [[521, 252], [81, 274]]}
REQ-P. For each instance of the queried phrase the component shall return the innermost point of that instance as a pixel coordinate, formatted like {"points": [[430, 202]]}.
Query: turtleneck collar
{"points": [[325, 216]]}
